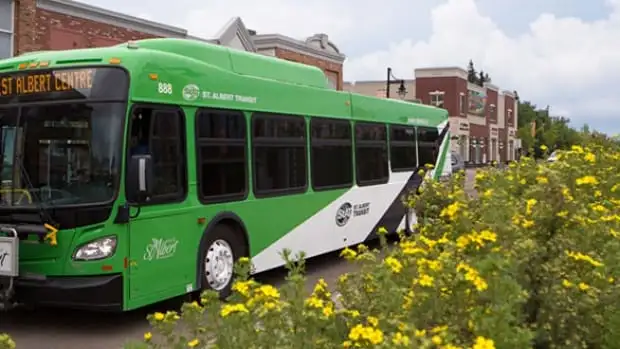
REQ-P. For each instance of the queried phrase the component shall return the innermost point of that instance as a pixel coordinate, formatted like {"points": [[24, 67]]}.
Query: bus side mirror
{"points": [[140, 178]]}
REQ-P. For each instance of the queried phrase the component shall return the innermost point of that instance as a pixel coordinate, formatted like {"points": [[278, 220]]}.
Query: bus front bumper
{"points": [[101, 292]]}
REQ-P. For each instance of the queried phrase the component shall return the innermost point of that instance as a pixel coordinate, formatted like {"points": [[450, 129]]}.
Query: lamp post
{"points": [[402, 90]]}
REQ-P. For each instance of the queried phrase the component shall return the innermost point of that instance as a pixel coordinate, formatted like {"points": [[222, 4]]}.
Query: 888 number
{"points": [[164, 88]]}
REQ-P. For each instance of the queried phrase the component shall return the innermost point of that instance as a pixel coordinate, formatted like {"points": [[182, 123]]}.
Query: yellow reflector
{"points": [[22, 65], [44, 64], [153, 76], [115, 61], [33, 65]]}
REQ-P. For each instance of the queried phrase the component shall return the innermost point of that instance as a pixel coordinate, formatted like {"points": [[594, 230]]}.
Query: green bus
{"points": [[140, 172]]}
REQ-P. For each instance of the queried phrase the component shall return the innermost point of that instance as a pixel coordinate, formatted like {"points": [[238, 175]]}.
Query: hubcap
{"points": [[219, 265]]}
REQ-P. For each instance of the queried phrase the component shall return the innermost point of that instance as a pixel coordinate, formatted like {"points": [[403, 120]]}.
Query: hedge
{"points": [[532, 261]]}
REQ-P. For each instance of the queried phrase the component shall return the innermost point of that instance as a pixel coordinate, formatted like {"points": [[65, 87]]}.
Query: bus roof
{"points": [[240, 62], [274, 84]]}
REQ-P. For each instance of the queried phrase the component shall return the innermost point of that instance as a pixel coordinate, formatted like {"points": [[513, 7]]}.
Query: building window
{"points": [[7, 10], [221, 155], [402, 148], [462, 104], [437, 98], [279, 151], [371, 154], [331, 154], [509, 116], [427, 145]]}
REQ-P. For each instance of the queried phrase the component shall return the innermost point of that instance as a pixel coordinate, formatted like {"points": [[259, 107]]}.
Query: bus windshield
{"points": [[61, 150]]}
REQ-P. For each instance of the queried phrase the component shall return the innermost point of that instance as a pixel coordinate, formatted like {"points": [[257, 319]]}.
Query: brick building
{"points": [[483, 119], [33, 25]]}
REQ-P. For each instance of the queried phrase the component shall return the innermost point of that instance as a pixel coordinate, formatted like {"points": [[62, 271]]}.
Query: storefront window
{"points": [[7, 9]]}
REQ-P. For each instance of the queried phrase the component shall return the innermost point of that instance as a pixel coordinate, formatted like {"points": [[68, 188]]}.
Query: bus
{"points": [[141, 172]]}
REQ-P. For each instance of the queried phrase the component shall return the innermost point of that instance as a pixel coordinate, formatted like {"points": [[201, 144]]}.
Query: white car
{"points": [[553, 157]]}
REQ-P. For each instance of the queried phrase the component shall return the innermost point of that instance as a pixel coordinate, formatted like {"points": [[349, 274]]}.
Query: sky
{"points": [[561, 53]]}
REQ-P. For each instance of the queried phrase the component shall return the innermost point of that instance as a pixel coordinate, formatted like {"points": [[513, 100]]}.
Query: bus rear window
{"points": [[93, 83]]}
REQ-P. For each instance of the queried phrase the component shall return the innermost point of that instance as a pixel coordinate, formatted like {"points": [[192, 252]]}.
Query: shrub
{"points": [[6, 342], [558, 227]]}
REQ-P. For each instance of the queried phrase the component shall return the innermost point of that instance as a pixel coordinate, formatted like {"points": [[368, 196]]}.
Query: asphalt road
{"points": [[63, 329]]}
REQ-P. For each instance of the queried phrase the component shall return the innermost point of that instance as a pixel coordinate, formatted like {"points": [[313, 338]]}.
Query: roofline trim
{"points": [[267, 41], [98, 14]]}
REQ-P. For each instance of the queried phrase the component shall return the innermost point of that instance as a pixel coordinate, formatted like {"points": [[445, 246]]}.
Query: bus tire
{"points": [[219, 251]]}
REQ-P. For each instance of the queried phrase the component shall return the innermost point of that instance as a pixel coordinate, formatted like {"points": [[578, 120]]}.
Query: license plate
{"points": [[9, 256]]}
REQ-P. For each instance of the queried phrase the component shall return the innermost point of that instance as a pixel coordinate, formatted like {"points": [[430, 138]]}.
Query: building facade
{"points": [[483, 119], [34, 25]]}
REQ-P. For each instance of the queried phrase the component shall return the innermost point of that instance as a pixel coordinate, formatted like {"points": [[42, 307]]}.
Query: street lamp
{"points": [[402, 90]]}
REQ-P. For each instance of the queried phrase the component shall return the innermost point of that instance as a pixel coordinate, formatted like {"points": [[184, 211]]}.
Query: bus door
{"points": [[160, 266]]}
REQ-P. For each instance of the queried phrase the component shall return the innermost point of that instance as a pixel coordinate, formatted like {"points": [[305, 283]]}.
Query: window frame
{"points": [[385, 144], [440, 96], [334, 142], [276, 142], [402, 144], [168, 198], [11, 31], [462, 104], [201, 142], [424, 144]]}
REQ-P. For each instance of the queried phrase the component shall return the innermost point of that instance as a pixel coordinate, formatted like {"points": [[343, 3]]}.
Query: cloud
{"points": [[565, 62]]}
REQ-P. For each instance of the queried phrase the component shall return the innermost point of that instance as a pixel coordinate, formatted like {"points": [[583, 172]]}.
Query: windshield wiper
{"points": [[44, 215]]}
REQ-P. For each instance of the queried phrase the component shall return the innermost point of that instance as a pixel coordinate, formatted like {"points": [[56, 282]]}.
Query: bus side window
{"points": [[331, 154], [160, 132], [371, 156], [221, 143], [279, 154], [402, 148], [427, 138]]}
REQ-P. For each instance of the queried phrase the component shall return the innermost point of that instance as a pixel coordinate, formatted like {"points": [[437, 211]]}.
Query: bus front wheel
{"points": [[219, 252]]}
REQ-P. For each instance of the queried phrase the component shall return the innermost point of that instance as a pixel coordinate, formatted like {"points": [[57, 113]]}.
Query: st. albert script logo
{"points": [[160, 249]]}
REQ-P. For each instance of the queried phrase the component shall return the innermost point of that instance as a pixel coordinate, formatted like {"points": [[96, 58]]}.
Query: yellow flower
{"points": [[361, 333], [583, 286], [543, 147], [394, 264], [373, 321], [542, 180], [426, 280], [586, 180], [483, 343], [193, 343], [578, 256], [348, 254], [158, 316], [450, 211], [148, 336], [400, 339], [567, 283], [589, 157], [228, 309], [436, 340]]}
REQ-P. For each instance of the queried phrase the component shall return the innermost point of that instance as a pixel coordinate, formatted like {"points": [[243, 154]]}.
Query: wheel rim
{"points": [[219, 265]]}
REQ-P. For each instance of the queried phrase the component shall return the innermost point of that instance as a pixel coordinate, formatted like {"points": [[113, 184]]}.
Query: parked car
{"points": [[553, 157], [457, 162]]}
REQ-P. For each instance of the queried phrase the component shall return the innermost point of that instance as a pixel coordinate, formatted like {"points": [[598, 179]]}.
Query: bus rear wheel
{"points": [[220, 251]]}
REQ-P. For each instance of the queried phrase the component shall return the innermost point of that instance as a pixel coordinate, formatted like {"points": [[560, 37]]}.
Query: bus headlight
{"points": [[96, 249]]}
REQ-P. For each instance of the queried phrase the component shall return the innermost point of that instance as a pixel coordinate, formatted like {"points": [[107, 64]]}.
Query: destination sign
{"points": [[63, 84]]}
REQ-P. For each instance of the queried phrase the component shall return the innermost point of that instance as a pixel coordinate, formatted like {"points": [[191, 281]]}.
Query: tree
{"points": [[481, 78], [472, 75]]}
